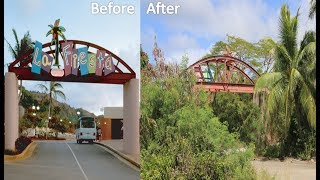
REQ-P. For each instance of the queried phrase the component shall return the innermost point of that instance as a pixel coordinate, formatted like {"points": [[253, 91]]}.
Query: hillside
{"points": [[67, 111]]}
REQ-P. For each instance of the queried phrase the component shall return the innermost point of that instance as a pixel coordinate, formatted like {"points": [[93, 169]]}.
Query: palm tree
{"points": [[20, 48], [56, 31], [292, 84], [312, 11], [53, 92]]}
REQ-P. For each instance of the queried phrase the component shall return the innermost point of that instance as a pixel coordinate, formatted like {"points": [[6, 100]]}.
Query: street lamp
{"points": [[78, 113], [34, 108]]}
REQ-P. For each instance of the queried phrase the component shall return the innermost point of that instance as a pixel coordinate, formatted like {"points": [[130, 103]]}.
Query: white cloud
{"points": [[212, 20], [245, 18]]}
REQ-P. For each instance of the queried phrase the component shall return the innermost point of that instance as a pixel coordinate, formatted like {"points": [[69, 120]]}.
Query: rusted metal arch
{"points": [[23, 71], [229, 59]]}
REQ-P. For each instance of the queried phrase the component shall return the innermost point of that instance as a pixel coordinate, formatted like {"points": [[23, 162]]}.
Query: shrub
{"points": [[273, 151], [21, 143], [10, 152]]}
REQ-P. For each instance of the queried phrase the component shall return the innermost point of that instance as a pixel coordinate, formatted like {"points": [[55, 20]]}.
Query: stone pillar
{"points": [[11, 110], [131, 116]]}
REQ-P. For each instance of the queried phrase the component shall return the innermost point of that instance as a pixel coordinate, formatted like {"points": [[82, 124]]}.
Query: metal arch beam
{"points": [[113, 78], [75, 42], [221, 86], [224, 87], [220, 58]]}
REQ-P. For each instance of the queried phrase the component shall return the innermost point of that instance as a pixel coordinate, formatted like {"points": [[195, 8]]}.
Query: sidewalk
{"points": [[116, 145]]}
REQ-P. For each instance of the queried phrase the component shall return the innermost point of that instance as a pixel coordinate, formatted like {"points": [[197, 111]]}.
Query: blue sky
{"points": [[199, 24], [117, 33]]}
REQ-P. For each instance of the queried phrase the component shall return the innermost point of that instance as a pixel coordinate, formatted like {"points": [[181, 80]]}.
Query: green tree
{"points": [[291, 87], [56, 31], [53, 92], [259, 55], [20, 48]]}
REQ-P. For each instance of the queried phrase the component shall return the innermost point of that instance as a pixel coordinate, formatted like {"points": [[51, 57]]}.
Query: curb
{"points": [[120, 154], [27, 152]]}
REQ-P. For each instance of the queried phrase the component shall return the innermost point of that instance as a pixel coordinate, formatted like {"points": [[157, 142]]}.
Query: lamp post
{"points": [[78, 113], [47, 126]]}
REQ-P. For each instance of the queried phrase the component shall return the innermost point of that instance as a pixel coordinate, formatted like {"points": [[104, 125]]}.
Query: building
{"points": [[111, 124]]}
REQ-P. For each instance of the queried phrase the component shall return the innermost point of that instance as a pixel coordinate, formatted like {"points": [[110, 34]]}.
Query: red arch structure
{"points": [[225, 74], [22, 67]]}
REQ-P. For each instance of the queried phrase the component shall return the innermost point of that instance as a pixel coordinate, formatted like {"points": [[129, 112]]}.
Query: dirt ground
{"points": [[287, 169]]}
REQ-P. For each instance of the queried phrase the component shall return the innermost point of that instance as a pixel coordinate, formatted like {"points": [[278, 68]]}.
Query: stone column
{"points": [[11, 110], [131, 116]]}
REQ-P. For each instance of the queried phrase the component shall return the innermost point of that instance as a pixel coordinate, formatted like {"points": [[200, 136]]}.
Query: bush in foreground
{"points": [[21, 143]]}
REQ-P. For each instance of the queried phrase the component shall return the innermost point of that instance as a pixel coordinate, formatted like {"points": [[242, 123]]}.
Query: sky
{"points": [[199, 24], [118, 33]]}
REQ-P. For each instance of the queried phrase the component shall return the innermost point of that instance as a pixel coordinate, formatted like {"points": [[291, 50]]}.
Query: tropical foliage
{"points": [[20, 48], [258, 54], [292, 84]]}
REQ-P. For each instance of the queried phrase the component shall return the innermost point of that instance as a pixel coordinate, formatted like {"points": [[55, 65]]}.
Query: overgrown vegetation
{"points": [[180, 136]]}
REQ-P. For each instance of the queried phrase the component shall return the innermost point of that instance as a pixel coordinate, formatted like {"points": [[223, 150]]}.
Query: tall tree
{"points": [[258, 54], [292, 84], [53, 92], [20, 47]]}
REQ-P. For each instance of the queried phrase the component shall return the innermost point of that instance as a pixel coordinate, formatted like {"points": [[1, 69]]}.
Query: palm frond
{"points": [[62, 35], [283, 59], [60, 94], [43, 87], [312, 11], [12, 51], [62, 29], [275, 99], [288, 30], [309, 105], [55, 85], [49, 32], [50, 25], [16, 39], [268, 80]]}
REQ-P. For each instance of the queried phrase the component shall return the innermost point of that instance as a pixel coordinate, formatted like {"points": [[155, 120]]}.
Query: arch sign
{"points": [[100, 64]]}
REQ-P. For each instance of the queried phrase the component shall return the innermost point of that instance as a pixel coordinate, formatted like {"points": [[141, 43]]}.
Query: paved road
{"points": [[67, 160], [288, 169]]}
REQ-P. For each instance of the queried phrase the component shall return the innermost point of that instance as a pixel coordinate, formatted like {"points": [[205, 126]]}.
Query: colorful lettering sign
{"points": [[36, 61], [100, 62], [46, 62], [83, 60], [92, 63], [75, 64], [108, 65], [74, 60], [67, 48]]}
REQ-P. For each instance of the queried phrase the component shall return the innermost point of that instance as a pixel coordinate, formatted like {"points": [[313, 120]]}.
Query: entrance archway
{"points": [[118, 72]]}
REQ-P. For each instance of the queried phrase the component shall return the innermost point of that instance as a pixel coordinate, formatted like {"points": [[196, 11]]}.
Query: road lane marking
{"points": [[34, 165], [84, 174]]}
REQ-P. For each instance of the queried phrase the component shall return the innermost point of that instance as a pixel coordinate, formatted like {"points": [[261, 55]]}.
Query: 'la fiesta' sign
{"points": [[90, 63]]}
